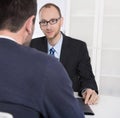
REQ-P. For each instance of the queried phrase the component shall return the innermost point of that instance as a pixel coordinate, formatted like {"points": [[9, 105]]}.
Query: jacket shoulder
{"points": [[36, 42], [38, 39], [74, 41]]}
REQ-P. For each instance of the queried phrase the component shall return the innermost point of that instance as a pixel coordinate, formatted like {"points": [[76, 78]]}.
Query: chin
{"points": [[50, 37]]}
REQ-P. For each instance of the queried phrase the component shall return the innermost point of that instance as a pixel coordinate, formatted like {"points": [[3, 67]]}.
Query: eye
{"points": [[53, 21], [43, 22]]}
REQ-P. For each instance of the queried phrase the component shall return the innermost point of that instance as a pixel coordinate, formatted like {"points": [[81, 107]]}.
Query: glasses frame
{"points": [[50, 21]]}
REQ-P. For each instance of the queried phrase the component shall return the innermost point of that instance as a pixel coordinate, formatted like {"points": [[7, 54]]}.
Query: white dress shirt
{"points": [[57, 48], [7, 37]]}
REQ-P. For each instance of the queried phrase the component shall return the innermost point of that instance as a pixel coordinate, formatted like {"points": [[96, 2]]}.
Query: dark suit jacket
{"points": [[35, 80], [74, 56]]}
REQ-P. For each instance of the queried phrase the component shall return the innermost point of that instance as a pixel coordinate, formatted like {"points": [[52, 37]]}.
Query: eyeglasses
{"points": [[51, 22]]}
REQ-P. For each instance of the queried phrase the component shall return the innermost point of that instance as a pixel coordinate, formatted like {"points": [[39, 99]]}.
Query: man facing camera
{"points": [[72, 53]]}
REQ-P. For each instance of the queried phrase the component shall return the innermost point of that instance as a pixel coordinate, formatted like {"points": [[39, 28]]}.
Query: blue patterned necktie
{"points": [[52, 51]]}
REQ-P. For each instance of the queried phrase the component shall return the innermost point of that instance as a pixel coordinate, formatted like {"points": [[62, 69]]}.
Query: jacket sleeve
{"points": [[87, 77]]}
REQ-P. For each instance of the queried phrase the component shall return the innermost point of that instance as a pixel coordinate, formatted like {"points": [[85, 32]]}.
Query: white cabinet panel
{"points": [[110, 85], [112, 7], [82, 28], [111, 32], [97, 22], [82, 7], [110, 63]]}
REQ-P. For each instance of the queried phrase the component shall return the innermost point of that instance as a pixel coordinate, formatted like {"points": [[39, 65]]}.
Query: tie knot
{"points": [[52, 51]]}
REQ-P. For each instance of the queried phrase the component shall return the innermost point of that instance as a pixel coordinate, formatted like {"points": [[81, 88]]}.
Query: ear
{"points": [[62, 21], [30, 24]]}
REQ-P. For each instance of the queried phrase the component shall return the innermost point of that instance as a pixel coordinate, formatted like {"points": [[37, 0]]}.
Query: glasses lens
{"points": [[43, 23], [52, 22]]}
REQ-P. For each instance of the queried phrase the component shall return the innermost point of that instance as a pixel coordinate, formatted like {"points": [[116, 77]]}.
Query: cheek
{"points": [[43, 29], [59, 27]]}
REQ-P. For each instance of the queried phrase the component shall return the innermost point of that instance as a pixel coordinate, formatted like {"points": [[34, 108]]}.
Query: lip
{"points": [[49, 33]]}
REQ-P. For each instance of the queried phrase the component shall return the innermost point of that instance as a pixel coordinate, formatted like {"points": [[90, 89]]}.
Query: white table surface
{"points": [[107, 107]]}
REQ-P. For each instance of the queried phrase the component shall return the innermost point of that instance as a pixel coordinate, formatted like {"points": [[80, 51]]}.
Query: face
{"points": [[52, 28]]}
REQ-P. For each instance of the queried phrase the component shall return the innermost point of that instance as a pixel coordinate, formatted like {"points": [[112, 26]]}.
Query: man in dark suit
{"points": [[72, 53], [32, 84]]}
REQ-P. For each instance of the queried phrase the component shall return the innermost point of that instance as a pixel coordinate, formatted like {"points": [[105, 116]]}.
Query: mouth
{"points": [[49, 32]]}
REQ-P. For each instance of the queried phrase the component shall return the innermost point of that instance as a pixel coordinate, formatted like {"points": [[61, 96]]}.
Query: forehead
{"points": [[48, 13]]}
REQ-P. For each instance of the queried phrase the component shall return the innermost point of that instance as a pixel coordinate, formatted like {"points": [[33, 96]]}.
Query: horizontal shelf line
{"points": [[87, 15], [111, 49], [112, 15], [110, 76], [83, 15]]}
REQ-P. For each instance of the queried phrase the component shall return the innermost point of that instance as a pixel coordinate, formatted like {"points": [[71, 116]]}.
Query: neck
{"points": [[12, 35], [53, 41]]}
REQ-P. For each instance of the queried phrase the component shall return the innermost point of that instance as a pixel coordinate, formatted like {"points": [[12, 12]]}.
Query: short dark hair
{"points": [[48, 5], [14, 13]]}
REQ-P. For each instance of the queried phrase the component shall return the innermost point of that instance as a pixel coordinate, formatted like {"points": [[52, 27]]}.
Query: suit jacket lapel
{"points": [[44, 47], [64, 51]]}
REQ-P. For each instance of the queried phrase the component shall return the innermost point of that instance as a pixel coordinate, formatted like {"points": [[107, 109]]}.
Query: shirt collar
{"points": [[57, 47], [7, 37]]}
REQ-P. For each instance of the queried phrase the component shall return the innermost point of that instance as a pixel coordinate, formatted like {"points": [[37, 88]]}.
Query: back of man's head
{"points": [[14, 13]]}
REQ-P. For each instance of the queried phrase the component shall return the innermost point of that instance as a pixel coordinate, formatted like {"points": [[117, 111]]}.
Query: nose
{"points": [[48, 26]]}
